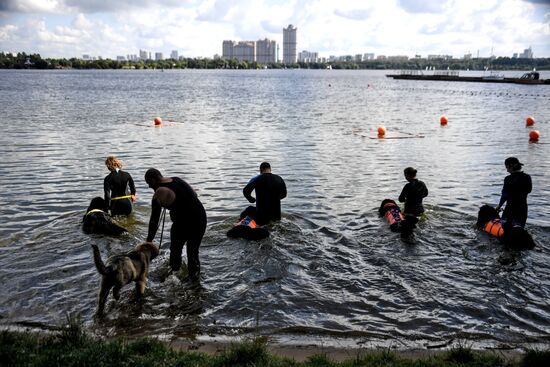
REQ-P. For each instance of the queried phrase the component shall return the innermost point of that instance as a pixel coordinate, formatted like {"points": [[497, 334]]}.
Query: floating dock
{"points": [[453, 76]]}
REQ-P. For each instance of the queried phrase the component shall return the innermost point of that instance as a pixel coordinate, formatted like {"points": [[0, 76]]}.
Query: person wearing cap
{"points": [[517, 185], [116, 185], [413, 193], [270, 189], [188, 219]]}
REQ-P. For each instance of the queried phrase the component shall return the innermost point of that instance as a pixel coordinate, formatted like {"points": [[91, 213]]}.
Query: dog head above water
{"points": [[98, 221], [513, 236], [386, 205], [485, 214], [148, 247], [97, 203]]}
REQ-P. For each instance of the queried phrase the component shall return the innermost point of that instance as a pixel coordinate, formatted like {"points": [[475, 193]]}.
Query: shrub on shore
{"points": [[72, 346]]}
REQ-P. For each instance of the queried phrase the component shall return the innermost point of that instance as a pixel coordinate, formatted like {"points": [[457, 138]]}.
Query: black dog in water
{"points": [[247, 227], [511, 234], [397, 221], [96, 220]]}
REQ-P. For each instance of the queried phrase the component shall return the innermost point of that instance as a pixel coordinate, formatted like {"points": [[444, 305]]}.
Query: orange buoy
{"points": [[529, 121], [443, 120], [381, 131], [534, 135], [158, 121]]}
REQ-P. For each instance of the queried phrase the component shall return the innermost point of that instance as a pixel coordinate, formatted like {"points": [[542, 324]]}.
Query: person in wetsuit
{"points": [[413, 193], [517, 185], [270, 189], [188, 219], [116, 185]]}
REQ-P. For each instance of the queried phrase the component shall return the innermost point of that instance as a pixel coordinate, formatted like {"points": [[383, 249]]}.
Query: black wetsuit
{"points": [[270, 189], [189, 224], [412, 195], [516, 187], [115, 185]]}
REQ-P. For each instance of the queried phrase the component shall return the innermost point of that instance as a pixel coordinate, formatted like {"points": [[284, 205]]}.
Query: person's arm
{"points": [[283, 189], [529, 185], [404, 193], [248, 190], [154, 220], [504, 195], [107, 190], [132, 187]]}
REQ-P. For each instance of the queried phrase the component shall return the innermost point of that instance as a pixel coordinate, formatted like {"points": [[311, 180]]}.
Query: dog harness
{"points": [[95, 211], [494, 227], [248, 222], [393, 215]]}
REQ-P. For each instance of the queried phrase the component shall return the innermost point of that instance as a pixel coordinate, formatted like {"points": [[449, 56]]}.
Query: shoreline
{"points": [[72, 343], [302, 347], [302, 352]]}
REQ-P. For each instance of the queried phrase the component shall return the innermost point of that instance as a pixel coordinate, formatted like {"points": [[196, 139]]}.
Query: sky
{"points": [[108, 28]]}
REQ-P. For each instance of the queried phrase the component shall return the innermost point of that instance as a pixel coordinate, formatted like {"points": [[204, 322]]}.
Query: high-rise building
{"points": [[227, 49], [158, 56], [266, 51], [368, 56], [289, 44], [306, 56], [526, 54], [143, 54], [245, 51], [174, 55]]}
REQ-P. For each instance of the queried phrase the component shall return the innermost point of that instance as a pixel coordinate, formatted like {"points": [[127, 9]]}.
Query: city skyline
{"points": [[72, 28]]}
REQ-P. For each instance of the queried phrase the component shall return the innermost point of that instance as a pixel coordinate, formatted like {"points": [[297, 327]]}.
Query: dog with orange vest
{"points": [[512, 234], [247, 227], [396, 219]]}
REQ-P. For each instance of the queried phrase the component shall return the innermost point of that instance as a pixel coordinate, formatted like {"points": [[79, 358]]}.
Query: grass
{"points": [[72, 346]]}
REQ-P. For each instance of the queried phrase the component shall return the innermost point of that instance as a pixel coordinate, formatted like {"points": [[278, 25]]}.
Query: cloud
{"points": [[271, 27], [219, 10], [81, 22], [539, 2], [198, 27], [423, 6], [7, 31], [359, 14], [85, 6], [29, 6]]}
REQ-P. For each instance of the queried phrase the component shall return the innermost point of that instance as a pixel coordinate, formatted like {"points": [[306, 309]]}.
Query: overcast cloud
{"points": [[70, 28]]}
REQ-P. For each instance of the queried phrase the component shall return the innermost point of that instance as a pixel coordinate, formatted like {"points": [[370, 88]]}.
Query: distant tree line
{"points": [[34, 61]]}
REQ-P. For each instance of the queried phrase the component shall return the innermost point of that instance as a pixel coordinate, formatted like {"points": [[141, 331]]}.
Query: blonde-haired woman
{"points": [[116, 185]]}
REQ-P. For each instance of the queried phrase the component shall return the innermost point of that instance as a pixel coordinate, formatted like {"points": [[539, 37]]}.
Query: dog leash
{"points": [[162, 231], [122, 197]]}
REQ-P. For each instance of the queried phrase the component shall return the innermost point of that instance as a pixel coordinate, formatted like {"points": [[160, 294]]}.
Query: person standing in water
{"points": [[270, 189], [188, 219], [517, 185], [116, 185], [413, 193]]}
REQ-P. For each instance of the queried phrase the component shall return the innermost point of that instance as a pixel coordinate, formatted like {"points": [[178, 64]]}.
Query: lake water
{"points": [[331, 271]]}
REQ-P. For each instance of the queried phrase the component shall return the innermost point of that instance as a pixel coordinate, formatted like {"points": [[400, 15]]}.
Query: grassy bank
{"points": [[71, 346]]}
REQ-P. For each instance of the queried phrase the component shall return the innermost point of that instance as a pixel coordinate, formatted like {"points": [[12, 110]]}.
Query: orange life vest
{"points": [[393, 215], [494, 227], [247, 221]]}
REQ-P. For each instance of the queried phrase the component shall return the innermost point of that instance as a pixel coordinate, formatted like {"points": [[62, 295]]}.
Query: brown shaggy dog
{"points": [[123, 269]]}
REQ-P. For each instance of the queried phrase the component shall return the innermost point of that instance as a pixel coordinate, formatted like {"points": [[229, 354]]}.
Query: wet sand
{"points": [[339, 354]]}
